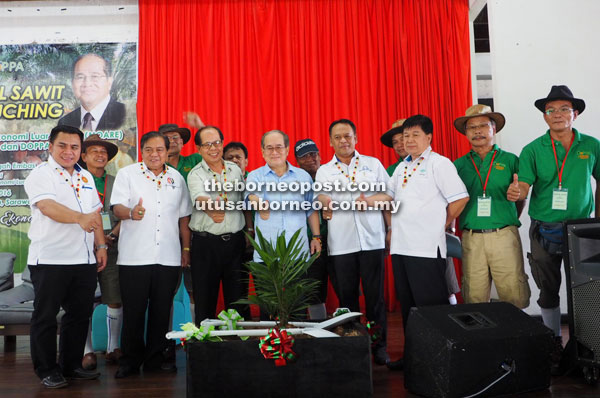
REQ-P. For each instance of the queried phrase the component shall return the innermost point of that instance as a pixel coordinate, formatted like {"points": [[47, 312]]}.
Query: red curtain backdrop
{"points": [[249, 66]]}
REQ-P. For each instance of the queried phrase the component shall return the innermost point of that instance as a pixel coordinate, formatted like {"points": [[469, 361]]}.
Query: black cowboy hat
{"points": [[386, 138], [561, 93]]}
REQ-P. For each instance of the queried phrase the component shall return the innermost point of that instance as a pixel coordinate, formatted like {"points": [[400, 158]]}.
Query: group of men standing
{"points": [[159, 231]]}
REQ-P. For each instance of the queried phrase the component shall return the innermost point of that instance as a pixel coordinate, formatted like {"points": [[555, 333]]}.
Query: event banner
{"points": [[44, 85]]}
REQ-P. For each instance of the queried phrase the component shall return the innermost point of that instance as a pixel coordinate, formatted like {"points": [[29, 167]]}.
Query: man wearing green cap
{"points": [[491, 243]]}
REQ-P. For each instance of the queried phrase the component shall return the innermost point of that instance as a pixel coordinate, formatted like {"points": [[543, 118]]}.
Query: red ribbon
{"points": [[277, 345]]}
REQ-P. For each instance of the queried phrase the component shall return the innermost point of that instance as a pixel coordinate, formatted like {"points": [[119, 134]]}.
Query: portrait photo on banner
{"points": [[91, 86]]}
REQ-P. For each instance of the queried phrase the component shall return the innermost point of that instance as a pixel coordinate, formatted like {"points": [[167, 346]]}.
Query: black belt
{"points": [[223, 237], [485, 231]]}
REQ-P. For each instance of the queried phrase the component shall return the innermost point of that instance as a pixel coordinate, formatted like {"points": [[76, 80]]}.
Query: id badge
{"points": [[559, 199], [484, 206], [106, 224]]}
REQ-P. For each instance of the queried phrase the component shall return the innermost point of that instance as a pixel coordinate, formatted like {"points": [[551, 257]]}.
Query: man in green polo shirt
{"points": [[393, 138], [558, 165], [491, 243], [178, 137], [95, 155]]}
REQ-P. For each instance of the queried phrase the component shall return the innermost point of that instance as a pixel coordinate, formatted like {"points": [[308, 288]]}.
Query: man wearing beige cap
{"points": [[491, 243], [393, 139]]}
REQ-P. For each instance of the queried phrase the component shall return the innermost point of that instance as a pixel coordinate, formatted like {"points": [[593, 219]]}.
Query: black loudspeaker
{"points": [[581, 255], [457, 351]]}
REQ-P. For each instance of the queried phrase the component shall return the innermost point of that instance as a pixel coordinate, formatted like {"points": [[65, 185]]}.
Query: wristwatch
{"points": [[98, 247]]}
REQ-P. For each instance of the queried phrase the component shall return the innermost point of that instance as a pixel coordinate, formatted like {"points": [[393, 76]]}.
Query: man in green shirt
{"points": [[393, 138], [178, 137], [491, 243], [558, 165], [96, 153]]}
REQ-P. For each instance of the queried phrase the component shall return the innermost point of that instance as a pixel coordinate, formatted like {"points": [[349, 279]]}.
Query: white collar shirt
{"points": [[197, 179], [352, 231], [418, 227], [97, 112], [53, 242], [155, 238]]}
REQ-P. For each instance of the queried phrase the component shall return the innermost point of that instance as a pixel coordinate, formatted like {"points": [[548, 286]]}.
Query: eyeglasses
{"points": [[208, 145], [271, 149], [477, 127], [174, 138], [95, 78], [563, 110]]}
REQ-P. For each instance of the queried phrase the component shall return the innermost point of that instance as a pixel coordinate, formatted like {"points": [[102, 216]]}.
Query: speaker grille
{"points": [[586, 307]]}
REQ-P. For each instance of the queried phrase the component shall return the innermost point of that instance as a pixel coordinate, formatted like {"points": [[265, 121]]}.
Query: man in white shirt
{"points": [[431, 196], [153, 202], [63, 260], [356, 239], [91, 85]]}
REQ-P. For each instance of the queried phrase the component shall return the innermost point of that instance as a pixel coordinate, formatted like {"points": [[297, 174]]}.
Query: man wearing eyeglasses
{"points": [[218, 242], [491, 244], [91, 84], [275, 149], [558, 165]]}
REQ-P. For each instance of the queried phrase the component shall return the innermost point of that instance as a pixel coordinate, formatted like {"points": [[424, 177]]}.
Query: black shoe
{"points": [[55, 380], [396, 365], [380, 356], [125, 371], [82, 374], [169, 353]]}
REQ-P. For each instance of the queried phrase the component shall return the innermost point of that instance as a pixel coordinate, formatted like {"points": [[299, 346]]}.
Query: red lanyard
{"points": [[101, 195], [562, 167], [488, 174]]}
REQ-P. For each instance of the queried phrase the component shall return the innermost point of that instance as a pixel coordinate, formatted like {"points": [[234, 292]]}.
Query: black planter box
{"points": [[326, 367]]}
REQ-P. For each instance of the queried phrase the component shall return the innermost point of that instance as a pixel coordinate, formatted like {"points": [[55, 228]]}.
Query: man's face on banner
{"points": [[90, 83]]}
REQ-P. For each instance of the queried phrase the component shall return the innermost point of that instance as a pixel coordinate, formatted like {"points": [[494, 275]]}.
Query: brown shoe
{"points": [[112, 358], [89, 361]]}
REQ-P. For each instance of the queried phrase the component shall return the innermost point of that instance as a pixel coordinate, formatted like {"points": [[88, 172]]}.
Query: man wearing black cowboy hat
{"points": [[491, 245], [178, 137], [558, 165], [393, 138], [95, 155]]}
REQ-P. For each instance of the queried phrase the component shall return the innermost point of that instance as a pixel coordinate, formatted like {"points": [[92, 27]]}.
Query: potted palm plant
{"points": [[304, 366]]}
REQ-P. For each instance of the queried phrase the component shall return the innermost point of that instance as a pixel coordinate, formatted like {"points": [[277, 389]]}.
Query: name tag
{"points": [[559, 199], [106, 224], [484, 206]]}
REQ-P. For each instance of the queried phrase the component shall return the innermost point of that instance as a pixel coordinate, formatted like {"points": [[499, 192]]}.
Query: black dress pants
{"points": [[146, 287], [368, 266], [71, 287], [419, 281], [217, 258]]}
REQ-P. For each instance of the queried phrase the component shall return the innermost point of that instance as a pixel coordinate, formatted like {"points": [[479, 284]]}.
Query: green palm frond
{"points": [[280, 281]]}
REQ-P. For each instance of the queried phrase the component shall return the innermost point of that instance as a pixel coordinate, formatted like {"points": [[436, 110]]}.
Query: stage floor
{"points": [[18, 380]]}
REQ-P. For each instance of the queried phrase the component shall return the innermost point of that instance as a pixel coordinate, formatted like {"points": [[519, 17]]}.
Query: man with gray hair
{"points": [[275, 149]]}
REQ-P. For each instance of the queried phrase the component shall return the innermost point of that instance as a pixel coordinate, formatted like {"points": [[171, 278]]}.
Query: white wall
{"points": [[536, 44], [76, 21]]}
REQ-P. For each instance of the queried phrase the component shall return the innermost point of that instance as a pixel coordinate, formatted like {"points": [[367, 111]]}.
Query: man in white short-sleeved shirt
{"points": [[67, 250], [356, 239], [431, 196], [153, 202]]}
